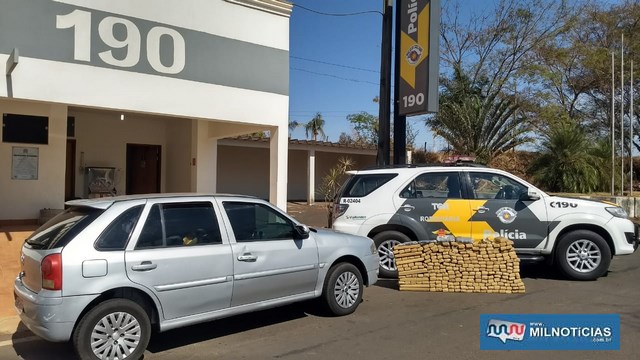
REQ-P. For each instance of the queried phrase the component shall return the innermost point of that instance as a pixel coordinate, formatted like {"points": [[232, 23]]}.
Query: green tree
{"points": [[476, 124], [566, 161], [293, 124], [315, 127], [366, 128], [332, 182]]}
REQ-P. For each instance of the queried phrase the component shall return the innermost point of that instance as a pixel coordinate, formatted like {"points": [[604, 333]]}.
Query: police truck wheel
{"points": [[583, 255], [385, 241]]}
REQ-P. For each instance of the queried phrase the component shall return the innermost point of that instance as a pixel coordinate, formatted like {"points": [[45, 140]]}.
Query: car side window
{"points": [[363, 185], [257, 222], [180, 224], [434, 185], [496, 186], [117, 234]]}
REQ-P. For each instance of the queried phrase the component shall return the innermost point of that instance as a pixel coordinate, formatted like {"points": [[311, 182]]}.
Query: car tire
{"points": [[583, 255], [130, 332], [342, 292], [384, 243]]}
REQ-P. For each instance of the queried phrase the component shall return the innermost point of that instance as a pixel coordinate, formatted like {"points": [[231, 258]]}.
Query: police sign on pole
{"points": [[419, 55]]}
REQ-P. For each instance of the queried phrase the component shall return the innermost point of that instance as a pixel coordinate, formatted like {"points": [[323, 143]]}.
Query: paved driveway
{"points": [[394, 325]]}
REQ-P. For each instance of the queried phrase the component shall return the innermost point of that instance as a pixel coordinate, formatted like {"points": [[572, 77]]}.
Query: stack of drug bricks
{"points": [[488, 266]]}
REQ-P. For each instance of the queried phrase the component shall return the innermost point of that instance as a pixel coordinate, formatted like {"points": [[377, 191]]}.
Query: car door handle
{"points": [[407, 207], [247, 258], [481, 209], [144, 266]]}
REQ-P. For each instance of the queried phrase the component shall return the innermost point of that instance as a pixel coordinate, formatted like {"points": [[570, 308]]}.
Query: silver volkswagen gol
{"points": [[107, 271]]}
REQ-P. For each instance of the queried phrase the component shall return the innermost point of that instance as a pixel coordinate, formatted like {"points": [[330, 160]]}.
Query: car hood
{"points": [[335, 238]]}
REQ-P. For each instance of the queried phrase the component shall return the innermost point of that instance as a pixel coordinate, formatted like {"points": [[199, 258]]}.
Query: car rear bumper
{"points": [[51, 318]]}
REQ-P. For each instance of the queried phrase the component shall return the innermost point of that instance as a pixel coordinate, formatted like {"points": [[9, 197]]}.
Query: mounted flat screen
{"points": [[25, 129]]}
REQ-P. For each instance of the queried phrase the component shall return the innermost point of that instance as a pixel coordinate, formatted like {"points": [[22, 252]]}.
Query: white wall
{"points": [[22, 199], [237, 22], [178, 154]]}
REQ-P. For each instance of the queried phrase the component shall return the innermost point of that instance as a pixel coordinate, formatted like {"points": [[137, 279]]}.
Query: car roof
{"points": [[408, 169], [106, 202]]}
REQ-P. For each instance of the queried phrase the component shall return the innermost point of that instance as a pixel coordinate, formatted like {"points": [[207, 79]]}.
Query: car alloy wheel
{"points": [[385, 252], [346, 289], [583, 256], [115, 336]]}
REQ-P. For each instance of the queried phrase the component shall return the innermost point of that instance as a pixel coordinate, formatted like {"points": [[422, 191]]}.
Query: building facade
{"points": [[106, 97]]}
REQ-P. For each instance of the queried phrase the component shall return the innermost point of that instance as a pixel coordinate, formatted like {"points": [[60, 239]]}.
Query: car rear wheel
{"points": [[342, 292], [385, 241], [114, 329], [583, 255]]}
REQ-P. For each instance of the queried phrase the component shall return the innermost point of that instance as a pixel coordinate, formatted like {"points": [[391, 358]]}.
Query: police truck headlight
{"points": [[617, 212]]}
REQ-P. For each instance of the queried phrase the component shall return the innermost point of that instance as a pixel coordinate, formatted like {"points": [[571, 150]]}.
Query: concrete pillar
{"points": [[55, 166], [278, 148], [311, 176], [204, 158]]}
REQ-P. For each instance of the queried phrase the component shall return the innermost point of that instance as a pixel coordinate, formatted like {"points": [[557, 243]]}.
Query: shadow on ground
{"points": [[219, 328]]}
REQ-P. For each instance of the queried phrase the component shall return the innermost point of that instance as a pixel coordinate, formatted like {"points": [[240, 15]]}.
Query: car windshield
{"points": [[58, 231]]}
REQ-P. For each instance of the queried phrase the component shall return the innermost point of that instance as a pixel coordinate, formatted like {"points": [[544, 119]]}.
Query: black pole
{"points": [[399, 121], [384, 113]]}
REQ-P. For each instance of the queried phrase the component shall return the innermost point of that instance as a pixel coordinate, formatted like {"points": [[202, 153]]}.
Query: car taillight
{"points": [[339, 209], [51, 268]]}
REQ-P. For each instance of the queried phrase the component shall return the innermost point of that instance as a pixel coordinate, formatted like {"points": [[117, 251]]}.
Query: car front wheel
{"points": [[583, 255], [115, 329], [342, 292]]}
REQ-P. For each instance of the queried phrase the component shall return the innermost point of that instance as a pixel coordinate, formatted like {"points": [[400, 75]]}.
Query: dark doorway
{"points": [[70, 171], [143, 169]]}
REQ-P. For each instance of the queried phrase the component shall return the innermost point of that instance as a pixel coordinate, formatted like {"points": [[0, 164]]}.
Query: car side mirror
{"points": [[530, 195], [302, 231]]}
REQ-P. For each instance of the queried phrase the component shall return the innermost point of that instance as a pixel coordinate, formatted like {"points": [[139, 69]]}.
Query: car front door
{"points": [[180, 255], [270, 261], [501, 209], [434, 205]]}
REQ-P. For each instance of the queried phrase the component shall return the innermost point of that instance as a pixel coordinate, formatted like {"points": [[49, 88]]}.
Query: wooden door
{"points": [[70, 171], [143, 168]]}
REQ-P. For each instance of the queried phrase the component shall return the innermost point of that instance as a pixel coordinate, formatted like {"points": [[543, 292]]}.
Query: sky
{"points": [[335, 65]]}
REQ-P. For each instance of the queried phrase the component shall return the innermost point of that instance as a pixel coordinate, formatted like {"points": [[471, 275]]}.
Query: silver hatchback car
{"points": [[106, 272]]}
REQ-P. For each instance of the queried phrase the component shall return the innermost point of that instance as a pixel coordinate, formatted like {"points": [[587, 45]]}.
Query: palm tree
{"points": [[293, 124], [566, 162], [475, 123], [315, 127]]}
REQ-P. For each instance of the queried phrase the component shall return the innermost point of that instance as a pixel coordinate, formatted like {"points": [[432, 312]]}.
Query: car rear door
{"points": [[270, 262], [179, 253]]}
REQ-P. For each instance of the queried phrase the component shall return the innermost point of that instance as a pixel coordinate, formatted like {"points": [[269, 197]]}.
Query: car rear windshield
{"points": [[364, 184], [58, 231]]}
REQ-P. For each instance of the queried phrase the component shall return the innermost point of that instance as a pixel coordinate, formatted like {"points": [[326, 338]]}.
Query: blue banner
{"points": [[549, 332]]}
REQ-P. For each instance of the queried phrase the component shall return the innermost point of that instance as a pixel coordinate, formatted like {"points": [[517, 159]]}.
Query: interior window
{"points": [[254, 222], [180, 224], [495, 186], [433, 185], [117, 234]]}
